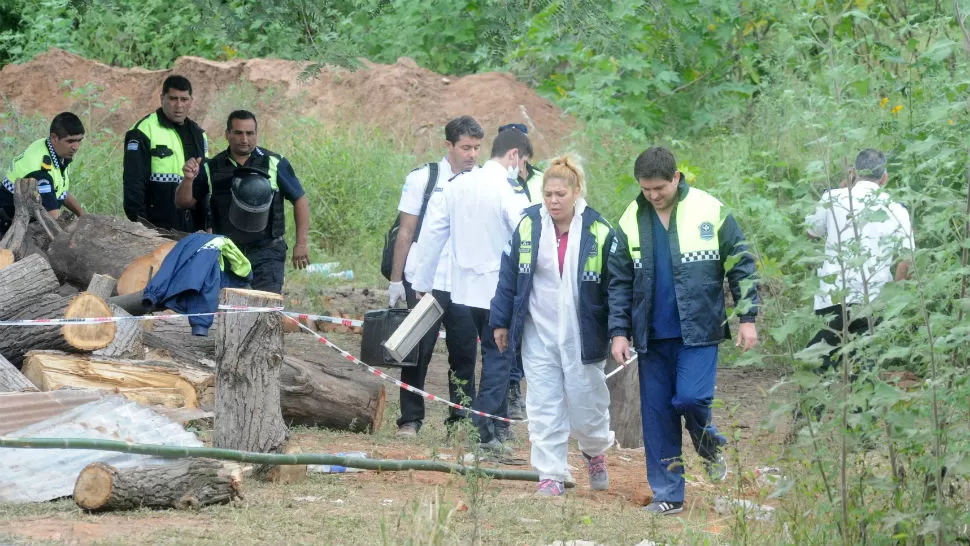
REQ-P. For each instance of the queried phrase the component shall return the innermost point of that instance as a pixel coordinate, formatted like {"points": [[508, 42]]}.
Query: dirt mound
{"points": [[405, 101]]}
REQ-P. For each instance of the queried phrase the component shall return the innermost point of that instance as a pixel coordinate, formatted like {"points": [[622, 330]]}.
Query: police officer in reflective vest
{"points": [[156, 148], [675, 244], [46, 160], [246, 185]]}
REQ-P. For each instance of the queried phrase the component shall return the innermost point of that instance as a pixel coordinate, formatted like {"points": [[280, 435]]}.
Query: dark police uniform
{"points": [[266, 250], [40, 163], [155, 151]]}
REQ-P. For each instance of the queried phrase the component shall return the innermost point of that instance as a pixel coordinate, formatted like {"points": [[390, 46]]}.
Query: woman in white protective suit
{"points": [[551, 298]]}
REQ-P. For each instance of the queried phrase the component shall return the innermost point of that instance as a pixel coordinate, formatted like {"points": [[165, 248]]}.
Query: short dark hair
{"points": [[66, 124], [654, 163], [241, 114], [180, 83], [870, 164], [463, 126], [517, 126], [509, 140]]}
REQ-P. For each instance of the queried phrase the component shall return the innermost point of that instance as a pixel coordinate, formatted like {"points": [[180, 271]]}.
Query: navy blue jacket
{"points": [[511, 301], [190, 278]]}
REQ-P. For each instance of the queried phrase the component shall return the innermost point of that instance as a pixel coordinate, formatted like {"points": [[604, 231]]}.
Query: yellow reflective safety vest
{"points": [[511, 301], [39, 156], [707, 245]]}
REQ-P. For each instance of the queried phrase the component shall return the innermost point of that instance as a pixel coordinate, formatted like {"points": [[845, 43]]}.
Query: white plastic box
{"points": [[421, 319]]}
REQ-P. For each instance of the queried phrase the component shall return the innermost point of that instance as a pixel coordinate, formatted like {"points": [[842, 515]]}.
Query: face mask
{"points": [[514, 172]]}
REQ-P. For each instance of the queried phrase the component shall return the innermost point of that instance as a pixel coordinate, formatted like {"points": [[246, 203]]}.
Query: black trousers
{"points": [[268, 260], [461, 338], [832, 334]]}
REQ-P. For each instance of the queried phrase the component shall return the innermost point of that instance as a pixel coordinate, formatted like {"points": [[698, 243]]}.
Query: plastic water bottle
{"points": [[336, 468], [347, 275], [322, 268]]}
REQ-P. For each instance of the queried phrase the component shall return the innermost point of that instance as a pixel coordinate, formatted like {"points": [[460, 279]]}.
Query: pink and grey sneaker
{"points": [[551, 488], [599, 477]]}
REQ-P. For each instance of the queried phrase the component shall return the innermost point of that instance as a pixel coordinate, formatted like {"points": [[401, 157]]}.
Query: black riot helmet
{"points": [[252, 196]]}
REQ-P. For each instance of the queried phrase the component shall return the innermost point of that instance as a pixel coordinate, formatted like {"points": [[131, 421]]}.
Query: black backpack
{"points": [[390, 239]]}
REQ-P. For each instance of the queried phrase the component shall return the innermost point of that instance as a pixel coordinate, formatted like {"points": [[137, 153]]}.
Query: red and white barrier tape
{"points": [[224, 310], [398, 382], [351, 323]]}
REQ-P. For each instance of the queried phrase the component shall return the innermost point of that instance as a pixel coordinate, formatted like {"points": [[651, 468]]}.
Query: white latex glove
{"points": [[395, 293]]}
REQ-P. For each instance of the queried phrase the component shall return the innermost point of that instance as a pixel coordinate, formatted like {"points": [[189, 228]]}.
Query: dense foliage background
{"points": [[765, 104]]}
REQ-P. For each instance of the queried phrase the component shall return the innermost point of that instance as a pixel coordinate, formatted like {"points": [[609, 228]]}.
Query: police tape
{"points": [[398, 382], [224, 310], [350, 323]]}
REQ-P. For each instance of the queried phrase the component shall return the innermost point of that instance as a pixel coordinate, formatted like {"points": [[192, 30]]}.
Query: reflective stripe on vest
{"points": [[698, 221], [32, 160], [165, 170], [592, 267]]}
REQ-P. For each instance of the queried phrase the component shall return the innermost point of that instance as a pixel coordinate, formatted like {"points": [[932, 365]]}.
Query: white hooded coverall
{"points": [[563, 393]]}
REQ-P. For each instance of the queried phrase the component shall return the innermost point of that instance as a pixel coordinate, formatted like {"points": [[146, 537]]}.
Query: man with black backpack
{"points": [[463, 139]]}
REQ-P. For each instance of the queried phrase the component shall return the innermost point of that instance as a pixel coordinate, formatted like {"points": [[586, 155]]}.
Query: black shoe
{"points": [[504, 434], [516, 402]]}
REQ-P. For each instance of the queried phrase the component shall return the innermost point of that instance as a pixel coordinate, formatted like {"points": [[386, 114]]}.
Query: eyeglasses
{"points": [[517, 126]]}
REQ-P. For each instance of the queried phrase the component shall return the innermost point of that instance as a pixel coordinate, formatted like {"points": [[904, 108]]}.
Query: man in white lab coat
{"points": [[479, 212]]}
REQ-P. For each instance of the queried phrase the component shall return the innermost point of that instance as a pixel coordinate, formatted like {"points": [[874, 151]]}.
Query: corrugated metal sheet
{"points": [[37, 475], [20, 409]]}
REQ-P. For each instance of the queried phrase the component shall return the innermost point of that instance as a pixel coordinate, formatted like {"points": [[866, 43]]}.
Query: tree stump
{"points": [[16, 341], [11, 380], [23, 282], [182, 484], [100, 244], [249, 355], [625, 405]]}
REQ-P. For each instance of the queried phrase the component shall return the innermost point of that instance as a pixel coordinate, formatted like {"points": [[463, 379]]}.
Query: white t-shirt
{"points": [[412, 194], [885, 233]]}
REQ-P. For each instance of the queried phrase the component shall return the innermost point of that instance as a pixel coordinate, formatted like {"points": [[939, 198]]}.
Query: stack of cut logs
{"points": [[68, 268]]}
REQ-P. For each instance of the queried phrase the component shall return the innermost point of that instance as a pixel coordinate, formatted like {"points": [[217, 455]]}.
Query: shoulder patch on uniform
{"points": [[44, 186], [707, 231], [132, 146], [46, 163], [516, 187]]}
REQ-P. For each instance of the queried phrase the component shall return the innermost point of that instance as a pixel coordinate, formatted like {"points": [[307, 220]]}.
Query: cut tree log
{"points": [[23, 283], [6, 257], [11, 380], [128, 339], [26, 206], [16, 341], [625, 405], [249, 355], [128, 342], [135, 277], [102, 286], [169, 384], [327, 396], [173, 337], [182, 484], [100, 244]]}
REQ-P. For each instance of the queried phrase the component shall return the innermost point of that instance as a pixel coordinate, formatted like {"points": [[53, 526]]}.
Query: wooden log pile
{"points": [[97, 266]]}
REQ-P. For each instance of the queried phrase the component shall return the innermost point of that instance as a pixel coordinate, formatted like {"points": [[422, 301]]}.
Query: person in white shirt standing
{"points": [[463, 139], [479, 212], [865, 234]]}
